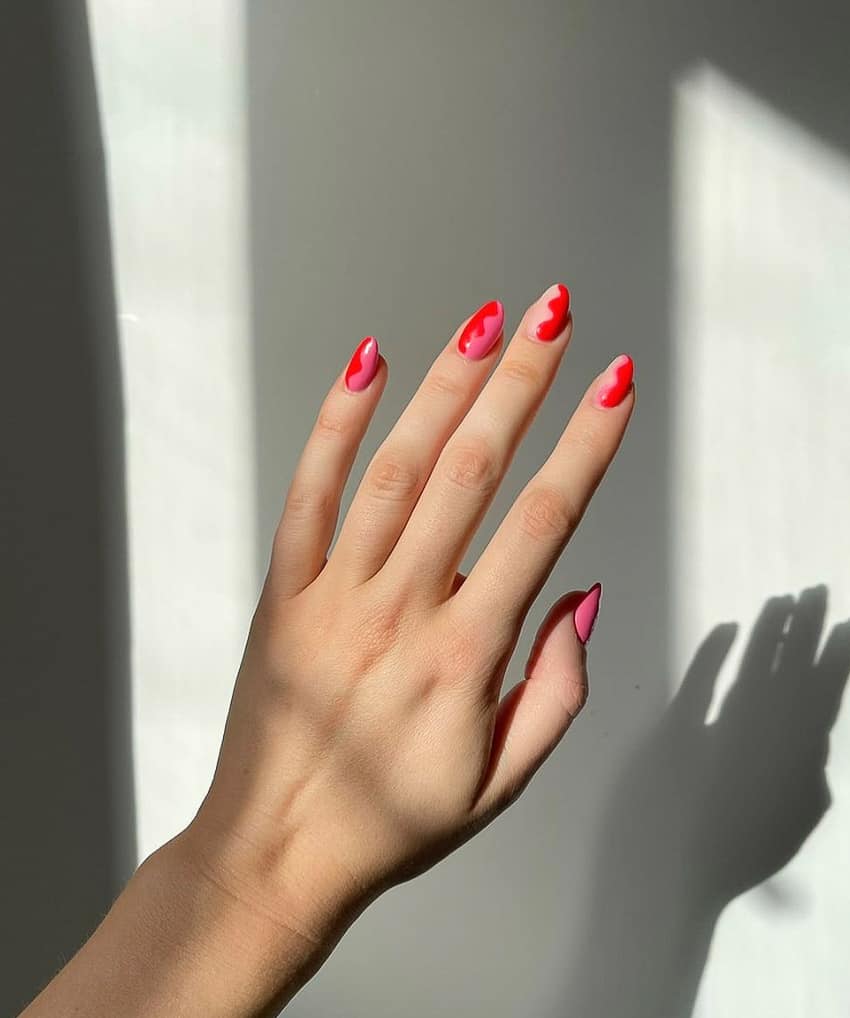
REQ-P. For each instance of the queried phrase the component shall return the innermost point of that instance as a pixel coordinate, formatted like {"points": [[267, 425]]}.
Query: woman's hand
{"points": [[366, 738]]}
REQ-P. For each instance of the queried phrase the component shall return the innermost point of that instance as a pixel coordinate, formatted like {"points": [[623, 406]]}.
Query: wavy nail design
{"points": [[482, 331], [616, 382], [363, 365], [549, 316], [586, 612]]}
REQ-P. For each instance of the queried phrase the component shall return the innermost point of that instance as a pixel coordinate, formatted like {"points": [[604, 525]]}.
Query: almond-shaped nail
{"points": [[363, 365], [616, 382], [586, 612], [482, 330], [548, 317]]}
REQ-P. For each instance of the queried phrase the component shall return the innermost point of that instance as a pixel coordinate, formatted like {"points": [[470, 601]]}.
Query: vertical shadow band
{"points": [[66, 788]]}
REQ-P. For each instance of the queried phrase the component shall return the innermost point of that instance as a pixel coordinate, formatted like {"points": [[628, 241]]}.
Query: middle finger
{"points": [[474, 460]]}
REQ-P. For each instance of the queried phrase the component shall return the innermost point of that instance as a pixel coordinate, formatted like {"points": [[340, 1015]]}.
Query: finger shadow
{"points": [[705, 811]]}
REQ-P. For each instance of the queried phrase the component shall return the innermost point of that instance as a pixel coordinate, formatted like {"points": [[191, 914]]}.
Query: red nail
{"points": [[616, 382], [363, 365], [558, 314], [482, 330], [586, 613]]}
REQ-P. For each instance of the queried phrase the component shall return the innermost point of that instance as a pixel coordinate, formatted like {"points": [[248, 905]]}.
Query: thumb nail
{"points": [[586, 612]]}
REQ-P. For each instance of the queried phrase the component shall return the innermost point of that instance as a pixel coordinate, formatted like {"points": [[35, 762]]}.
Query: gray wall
{"points": [[67, 833], [408, 162]]}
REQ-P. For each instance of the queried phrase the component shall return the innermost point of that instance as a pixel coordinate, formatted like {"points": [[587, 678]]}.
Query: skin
{"points": [[366, 737]]}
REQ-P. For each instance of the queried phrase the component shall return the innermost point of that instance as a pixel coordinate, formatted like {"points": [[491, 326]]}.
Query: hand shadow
{"points": [[704, 812]]}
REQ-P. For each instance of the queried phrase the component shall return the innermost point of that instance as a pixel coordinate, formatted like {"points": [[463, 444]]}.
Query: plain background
{"points": [[271, 181]]}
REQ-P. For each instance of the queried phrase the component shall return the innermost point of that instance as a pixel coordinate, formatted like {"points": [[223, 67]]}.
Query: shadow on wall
{"points": [[704, 812], [68, 838]]}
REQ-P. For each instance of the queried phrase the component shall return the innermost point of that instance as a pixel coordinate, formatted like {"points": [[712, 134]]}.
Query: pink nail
{"points": [[548, 317], [363, 365], [586, 612], [482, 330], [616, 382]]}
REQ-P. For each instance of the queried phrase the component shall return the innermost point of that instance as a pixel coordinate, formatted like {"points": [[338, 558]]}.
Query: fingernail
{"points": [[586, 612], [363, 365], [548, 317], [616, 382], [482, 331]]}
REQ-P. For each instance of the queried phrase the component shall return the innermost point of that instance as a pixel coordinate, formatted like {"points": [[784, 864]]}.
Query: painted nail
{"points": [[548, 318], [586, 612], [363, 365], [616, 382], [482, 331]]}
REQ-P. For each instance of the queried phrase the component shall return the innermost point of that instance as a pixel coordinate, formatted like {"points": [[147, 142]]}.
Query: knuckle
{"points": [[371, 638], [304, 503], [461, 657], [392, 478], [576, 697], [473, 646], [518, 369], [329, 425], [571, 695], [464, 650], [473, 466], [440, 384], [546, 513]]}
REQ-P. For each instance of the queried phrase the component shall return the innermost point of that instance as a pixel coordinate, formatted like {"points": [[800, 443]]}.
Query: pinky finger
{"points": [[310, 512]]}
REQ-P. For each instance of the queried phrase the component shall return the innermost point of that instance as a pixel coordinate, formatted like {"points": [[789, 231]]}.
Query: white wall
{"points": [[761, 478], [173, 110]]}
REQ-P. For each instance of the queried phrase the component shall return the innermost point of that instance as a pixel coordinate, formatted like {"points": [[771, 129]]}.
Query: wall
{"points": [[683, 167], [285, 177], [67, 840]]}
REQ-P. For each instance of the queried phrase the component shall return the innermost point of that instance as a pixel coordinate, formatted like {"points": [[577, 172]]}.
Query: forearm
{"points": [[177, 942]]}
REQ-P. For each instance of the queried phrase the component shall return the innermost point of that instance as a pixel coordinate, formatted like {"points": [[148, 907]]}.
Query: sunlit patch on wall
{"points": [[760, 495], [170, 83]]}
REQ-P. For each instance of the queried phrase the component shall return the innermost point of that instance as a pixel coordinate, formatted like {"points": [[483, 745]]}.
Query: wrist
{"points": [[180, 940], [286, 876], [207, 915]]}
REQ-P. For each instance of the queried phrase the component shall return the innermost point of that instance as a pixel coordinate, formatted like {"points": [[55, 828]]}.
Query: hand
{"points": [[366, 739]]}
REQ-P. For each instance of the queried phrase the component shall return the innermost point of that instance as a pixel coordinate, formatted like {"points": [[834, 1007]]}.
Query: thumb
{"points": [[533, 717]]}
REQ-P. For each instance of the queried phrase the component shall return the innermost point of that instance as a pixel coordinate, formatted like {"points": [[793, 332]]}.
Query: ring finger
{"points": [[515, 564]]}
